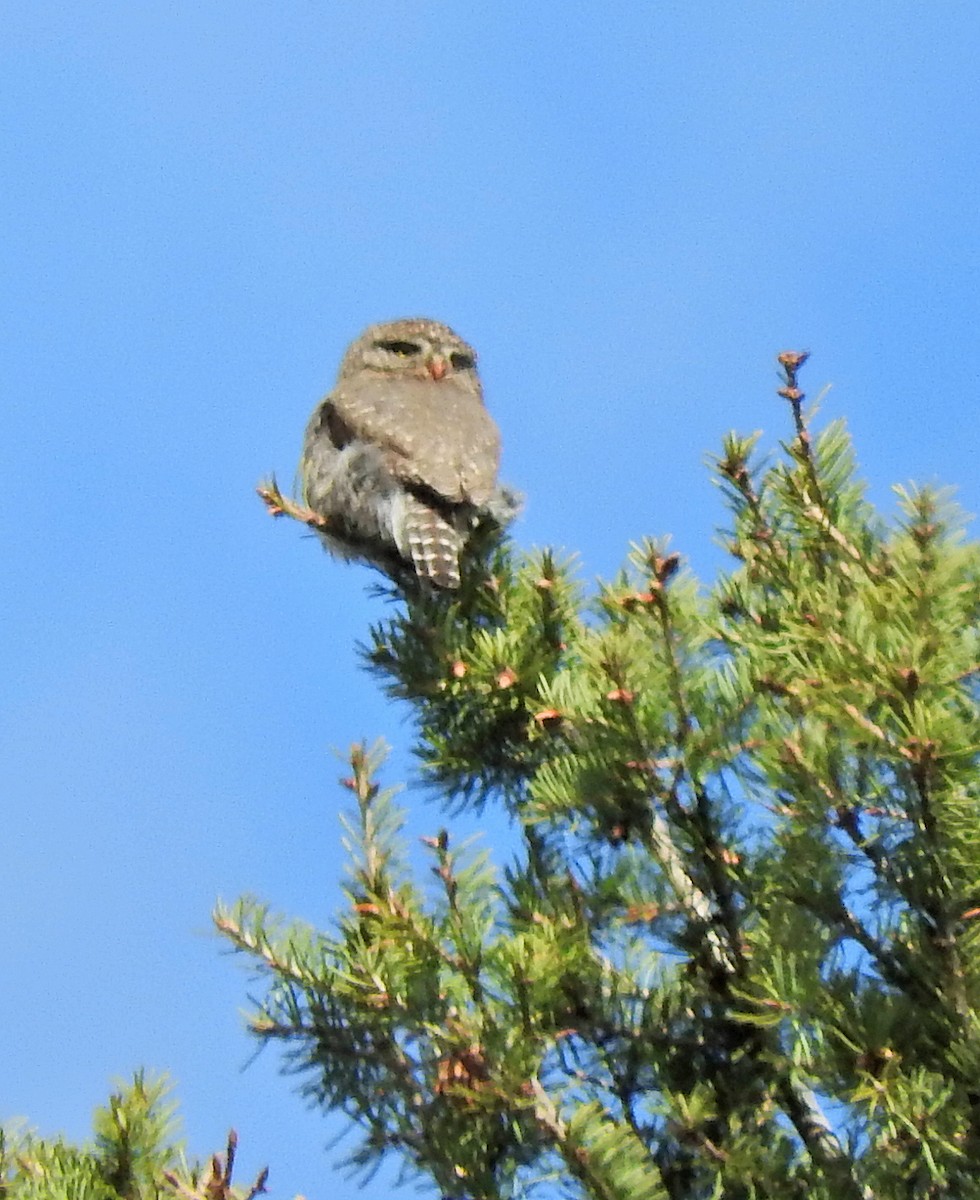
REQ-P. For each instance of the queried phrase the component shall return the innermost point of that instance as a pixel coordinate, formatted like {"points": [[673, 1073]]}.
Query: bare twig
{"points": [[279, 505], [218, 1185]]}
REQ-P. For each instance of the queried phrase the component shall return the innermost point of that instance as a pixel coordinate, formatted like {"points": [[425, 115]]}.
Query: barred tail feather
{"points": [[433, 544]]}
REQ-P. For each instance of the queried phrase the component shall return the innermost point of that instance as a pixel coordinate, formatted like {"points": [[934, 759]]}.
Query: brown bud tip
{"points": [[547, 716], [792, 394], [642, 912], [621, 696], [664, 568], [458, 669], [544, 585], [792, 360], [634, 600], [507, 678]]}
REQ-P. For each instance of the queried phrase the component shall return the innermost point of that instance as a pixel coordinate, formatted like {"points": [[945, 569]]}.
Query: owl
{"points": [[401, 457]]}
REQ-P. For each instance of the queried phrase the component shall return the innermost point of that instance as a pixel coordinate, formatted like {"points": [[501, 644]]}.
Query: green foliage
{"points": [[736, 954], [134, 1156]]}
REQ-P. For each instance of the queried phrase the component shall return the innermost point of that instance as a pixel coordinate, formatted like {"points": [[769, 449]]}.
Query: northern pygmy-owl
{"points": [[401, 457]]}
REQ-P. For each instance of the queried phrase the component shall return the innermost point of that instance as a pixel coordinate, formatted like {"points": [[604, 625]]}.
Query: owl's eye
{"points": [[461, 361], [402, 349]]}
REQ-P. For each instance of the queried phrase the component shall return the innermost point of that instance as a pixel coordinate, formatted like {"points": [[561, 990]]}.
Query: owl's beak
{"points": [[437, 366]]}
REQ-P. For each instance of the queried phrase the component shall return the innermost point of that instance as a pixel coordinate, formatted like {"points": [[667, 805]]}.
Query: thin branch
{"points": [[693, 898], [937, 901], [578, 1163], [662, 846], [218, 1185], [809, 1121], [279, 505]]}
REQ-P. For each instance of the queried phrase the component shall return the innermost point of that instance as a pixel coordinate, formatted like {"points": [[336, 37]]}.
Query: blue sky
{"points": [[628, 208]]}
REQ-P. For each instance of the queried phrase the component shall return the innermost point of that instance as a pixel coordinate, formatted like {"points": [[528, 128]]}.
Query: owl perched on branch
{"points": [[401, 458]]}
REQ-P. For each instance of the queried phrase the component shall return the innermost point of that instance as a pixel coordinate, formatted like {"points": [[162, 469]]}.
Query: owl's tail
{"points": [[433, 544]]}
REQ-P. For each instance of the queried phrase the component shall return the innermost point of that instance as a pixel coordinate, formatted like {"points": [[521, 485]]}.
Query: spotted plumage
{"points": [[401, 457]]}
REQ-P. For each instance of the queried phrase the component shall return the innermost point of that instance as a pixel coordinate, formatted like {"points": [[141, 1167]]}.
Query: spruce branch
{"points": [[815, 505], [279, 505], [694, 901], [372, 553], [759, 537], [810, 1122], [218, 1185], [703, 818], [612, 1164], [938, 901], [746, 886], [791, 361]]}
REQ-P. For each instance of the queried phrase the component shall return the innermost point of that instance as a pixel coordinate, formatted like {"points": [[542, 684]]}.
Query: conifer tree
{"points": [[134, 1155], [737, 953]]}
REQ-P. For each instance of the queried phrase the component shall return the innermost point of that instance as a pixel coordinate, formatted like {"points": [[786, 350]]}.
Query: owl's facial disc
{"points": [[419, 356]]}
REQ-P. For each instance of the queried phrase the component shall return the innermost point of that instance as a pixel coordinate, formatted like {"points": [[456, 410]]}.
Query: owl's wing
{"points": [[436, 436]]}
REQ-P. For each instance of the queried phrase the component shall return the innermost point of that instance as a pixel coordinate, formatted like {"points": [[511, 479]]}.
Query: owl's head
{"points": [[412, 346]]}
